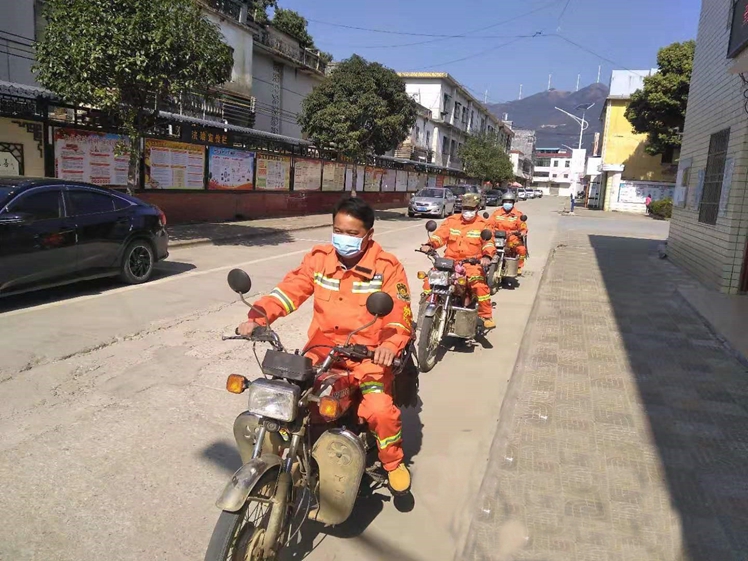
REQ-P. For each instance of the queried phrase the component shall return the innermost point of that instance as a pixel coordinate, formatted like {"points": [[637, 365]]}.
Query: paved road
{"points": [[116, 430]]}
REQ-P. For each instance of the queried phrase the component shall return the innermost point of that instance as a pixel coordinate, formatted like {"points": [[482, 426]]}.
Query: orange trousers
{"points": [[376, 407], [477, 283]]}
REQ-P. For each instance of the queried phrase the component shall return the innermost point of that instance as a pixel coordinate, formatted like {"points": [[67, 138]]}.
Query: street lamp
{"points": [[583, 125]]}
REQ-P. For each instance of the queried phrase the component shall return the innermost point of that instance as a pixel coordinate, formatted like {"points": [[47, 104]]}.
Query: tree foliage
{"points": [[659, 110], [258, 9], [483, 157], [293, 24], [124, 56], [359, 109]]}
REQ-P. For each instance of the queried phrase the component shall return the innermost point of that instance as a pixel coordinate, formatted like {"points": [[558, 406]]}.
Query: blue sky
{"points": [[627, 33]]}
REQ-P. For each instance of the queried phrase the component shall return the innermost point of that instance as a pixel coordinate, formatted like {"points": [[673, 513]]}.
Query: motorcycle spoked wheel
{"points": [[238, 535], [428, 340]]}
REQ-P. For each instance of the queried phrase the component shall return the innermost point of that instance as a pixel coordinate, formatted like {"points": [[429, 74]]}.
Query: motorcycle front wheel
{"points": [[238, 535], [428, 341]]}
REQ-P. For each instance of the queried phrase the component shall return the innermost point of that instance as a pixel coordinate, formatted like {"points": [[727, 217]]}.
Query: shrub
{"points": [[662, 208]]}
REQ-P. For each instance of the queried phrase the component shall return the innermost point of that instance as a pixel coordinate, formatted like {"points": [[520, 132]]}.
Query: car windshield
{"points": [[431, 193], [457, 189]]}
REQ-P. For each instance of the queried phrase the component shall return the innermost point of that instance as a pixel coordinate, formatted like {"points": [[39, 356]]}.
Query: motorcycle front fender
{"points": [[244, 480]]}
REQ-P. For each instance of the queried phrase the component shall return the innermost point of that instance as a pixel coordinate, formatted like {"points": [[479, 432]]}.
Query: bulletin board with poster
{"points": [[360, 172], [307, 175], [440, 179], [373, 179], [401, 181], [389, 179], [413, 181], [333, 176], [422, 180], [92, 157], [273, 172], [230, 169], [174, 165], [431, 181]]}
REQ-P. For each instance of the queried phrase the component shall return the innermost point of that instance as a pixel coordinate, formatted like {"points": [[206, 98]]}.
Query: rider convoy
{"points": [[308, 440]]}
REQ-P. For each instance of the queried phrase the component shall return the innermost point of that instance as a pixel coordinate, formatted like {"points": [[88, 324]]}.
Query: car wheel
{"points": [[411, 214], [443, 211], [137, 262]]}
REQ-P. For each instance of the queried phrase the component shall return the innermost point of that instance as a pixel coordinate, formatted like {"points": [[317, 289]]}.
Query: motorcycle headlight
{"points": [[439, 278], [275, 399], [500, 242]]}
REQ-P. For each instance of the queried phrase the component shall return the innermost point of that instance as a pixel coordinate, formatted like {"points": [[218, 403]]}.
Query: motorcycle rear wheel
{"points": [[238, 535], [428, 341]]}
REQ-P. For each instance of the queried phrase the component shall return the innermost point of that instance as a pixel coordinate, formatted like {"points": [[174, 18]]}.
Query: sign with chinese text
{"points": [[373, 179], [92, 157], [739, 31], [333, 176], [230, 169], [401, 181], [9, 164], [307, 175], [174, 165], [389, 179], [204, 135], [273, 172]]}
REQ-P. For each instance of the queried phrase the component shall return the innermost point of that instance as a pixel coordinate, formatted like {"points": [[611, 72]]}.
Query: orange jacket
{"points": [[507, 221], [462, 238], [340, 297]]}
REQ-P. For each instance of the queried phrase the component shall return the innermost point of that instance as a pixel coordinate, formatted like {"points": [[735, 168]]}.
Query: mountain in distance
{"points": [[537, 112]]}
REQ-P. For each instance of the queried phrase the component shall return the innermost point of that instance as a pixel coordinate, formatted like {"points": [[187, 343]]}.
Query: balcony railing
{"points": [[305, 57], [222, 108], [230, 8]]}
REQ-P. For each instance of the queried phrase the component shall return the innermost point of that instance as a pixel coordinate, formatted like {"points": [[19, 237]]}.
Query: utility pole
{"points": [[485, 97], [520, 91], [599, 68], [549, 81], [578, 77], [583, 124]]}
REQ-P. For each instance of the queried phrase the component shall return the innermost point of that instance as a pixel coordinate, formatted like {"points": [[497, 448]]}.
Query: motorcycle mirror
{"points": [[430, 226], [486, 215], [523, 218], [379, 304], [239, 281], [500, 234], [486, 235]]}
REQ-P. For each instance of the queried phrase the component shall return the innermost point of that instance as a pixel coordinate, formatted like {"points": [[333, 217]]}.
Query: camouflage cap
{"points": [[470, 200]]}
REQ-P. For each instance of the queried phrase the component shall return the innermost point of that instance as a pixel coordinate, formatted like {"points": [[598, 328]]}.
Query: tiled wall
{"points": [[714, 254]]}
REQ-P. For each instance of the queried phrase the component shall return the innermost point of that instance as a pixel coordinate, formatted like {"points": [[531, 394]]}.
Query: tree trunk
{"points": [[355, 180], [133, 172]]}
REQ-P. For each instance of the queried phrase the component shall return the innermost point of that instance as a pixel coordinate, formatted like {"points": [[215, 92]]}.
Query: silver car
{"points": [[432, 201]]}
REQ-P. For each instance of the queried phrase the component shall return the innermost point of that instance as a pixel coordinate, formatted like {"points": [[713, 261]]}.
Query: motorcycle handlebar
{"points": [[361, 352]]}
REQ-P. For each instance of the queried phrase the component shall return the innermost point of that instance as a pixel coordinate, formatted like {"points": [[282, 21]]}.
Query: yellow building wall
{"points": [[18, 131], [624, 146]]}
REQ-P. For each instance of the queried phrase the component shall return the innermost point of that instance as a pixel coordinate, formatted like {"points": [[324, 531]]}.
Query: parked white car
{"points": [[521, 194]]}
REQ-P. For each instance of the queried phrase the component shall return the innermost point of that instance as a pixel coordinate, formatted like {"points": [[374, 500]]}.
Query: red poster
{"points": [[440, 181]]}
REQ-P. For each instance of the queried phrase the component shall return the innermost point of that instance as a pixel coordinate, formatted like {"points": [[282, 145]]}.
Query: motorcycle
{"points": [[450, 309], [502, 266], [303, 447]]}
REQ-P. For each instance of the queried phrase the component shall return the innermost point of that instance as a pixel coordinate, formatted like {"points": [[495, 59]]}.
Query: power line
{"points": [[438, 36], [585, 49], [348, 46], [460, 36], [17, 55], [479, 53], [561, 16]]}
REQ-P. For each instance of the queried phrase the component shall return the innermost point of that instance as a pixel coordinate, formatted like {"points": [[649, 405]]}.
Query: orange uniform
{"points": [[511, 222], [340, 307], [463, 241]]}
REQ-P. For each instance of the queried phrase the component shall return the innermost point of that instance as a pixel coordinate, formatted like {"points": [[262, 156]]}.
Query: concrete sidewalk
{"points": [[624, 434], [184, 235]]}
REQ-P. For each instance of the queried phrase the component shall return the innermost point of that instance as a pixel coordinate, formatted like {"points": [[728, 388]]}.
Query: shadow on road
{"points": [[77, 289], [695, 398], [224, 455]]}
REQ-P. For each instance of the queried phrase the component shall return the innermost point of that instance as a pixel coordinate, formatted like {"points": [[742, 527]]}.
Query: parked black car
{"points": [[493, 197], [460, 190], [54, 232]]}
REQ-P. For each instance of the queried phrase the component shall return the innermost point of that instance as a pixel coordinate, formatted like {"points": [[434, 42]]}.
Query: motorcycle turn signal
{"points": [[236, 383], [422, 275]]}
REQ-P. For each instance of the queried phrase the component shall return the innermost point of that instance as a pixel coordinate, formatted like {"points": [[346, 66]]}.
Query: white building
{"points": [[418, 145], [552, 172], [523, 168], [455, 114]]}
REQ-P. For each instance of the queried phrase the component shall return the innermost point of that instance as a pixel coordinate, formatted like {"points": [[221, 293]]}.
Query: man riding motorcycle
{"points": [[509, 219], [461, 234], [341, 275]]}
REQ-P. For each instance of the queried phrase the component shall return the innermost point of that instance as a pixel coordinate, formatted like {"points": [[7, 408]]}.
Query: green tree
{"points": [[258, 9], [483, 157], [293, 24], [659, 110], [359, 109], [125, 56]]}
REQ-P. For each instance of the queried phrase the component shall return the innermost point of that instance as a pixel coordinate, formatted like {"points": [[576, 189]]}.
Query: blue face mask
{"points": [[347, 246], [508, 206]]}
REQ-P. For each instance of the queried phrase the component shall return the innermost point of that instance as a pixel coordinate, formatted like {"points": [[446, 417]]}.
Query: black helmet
{"points": [[509, 196]]}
